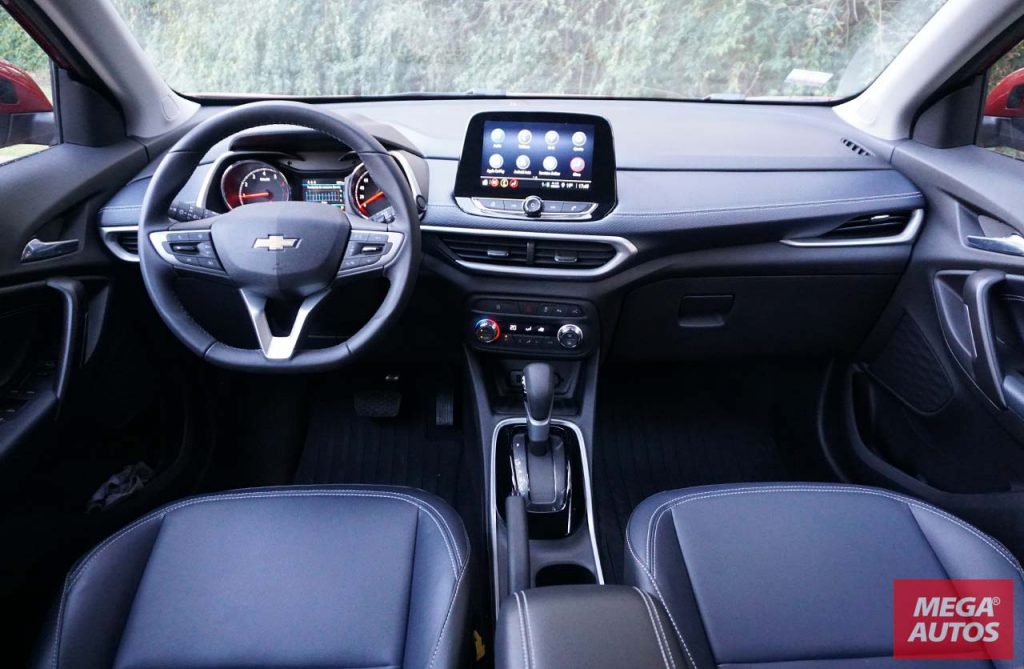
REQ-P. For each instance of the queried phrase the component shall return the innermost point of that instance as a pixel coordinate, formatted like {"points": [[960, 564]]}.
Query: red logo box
{"points": [[956, 619]]}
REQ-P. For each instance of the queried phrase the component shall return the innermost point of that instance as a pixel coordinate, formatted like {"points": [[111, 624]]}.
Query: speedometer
{"points": [[367, 198], [252, 181]]}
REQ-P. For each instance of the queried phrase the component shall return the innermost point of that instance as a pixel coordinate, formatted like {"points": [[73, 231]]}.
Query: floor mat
{"points": [[663, 429], [343, 447]]}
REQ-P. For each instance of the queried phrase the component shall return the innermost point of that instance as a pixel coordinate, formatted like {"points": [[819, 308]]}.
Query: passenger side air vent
{"points": [[872, 227], [129, 241], [856, 148], [571, 254], [487, 249], [541, 254]]}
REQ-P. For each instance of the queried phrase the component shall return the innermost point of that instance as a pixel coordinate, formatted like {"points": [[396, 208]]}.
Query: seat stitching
{"points": [[522, 633], [529, 630], [654, 626], [451, 607], [657, 516], [657, 590], [160, 513], [661, 629]]}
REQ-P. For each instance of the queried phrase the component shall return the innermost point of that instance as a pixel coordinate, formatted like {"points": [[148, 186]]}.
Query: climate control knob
{"points": [[486, 330], [569, 336]]}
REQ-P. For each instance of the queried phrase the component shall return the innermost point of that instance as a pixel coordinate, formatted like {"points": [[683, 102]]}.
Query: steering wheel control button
{"points": [[570, 336], [487, 330], [533, 206]]}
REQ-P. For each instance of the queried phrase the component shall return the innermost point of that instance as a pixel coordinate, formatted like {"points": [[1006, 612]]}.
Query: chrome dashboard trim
{"points": [[909, 234], [471, 205], [624, 249], [109, 237]]}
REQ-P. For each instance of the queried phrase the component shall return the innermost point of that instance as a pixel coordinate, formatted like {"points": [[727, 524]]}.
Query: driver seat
{"points": [[337, 576]]}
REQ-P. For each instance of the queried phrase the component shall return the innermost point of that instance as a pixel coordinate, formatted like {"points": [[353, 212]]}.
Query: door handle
{"points": [[1011, 245], [985, 364], [37, 250]]}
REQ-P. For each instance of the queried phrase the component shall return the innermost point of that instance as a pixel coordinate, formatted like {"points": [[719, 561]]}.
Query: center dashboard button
{"points": [[533, 206]]}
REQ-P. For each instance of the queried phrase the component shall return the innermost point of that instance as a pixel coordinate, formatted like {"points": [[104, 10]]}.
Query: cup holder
{"points": [[564, 574]]}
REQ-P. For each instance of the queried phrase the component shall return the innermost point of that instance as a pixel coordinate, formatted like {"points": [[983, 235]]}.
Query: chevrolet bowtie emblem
{"points": [[275, 243]]}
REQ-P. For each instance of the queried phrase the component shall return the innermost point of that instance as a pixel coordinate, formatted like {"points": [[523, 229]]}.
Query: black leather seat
{"points": [[801, 575], [287, 577]]}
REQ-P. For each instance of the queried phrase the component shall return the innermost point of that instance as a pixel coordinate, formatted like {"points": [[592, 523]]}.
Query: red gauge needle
{"points": [[373, 198], [246, 196]]}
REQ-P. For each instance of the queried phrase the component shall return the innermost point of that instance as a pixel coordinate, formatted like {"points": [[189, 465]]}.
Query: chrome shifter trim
{"points": [[492, 524]]}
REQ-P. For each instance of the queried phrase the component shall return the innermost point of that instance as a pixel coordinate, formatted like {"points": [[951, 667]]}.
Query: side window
{"points": [[27, 122], [1002, 122]]}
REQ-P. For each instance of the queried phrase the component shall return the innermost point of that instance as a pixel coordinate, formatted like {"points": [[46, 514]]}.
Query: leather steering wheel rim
{"points": [[178, 166]]}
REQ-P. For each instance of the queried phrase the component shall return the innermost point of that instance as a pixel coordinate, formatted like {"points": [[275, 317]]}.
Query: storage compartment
{"points": [[564, 574], [690, 318]]}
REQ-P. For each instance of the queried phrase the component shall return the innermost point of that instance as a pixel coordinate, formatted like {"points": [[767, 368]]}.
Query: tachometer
{"points": [[367, 198], [252, 181]]}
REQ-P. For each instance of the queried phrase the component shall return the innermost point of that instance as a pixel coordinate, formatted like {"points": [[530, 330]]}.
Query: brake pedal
{"points": [[377, 403]]}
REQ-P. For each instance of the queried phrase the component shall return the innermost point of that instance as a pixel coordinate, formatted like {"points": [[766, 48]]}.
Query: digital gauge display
{"points": [[329, 190]]}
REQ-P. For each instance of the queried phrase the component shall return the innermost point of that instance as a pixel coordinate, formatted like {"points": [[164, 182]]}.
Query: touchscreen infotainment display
{"points": [[536, 156]]}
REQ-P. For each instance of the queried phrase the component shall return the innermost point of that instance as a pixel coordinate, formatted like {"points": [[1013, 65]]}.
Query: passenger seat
{"points": [[790, 576]]}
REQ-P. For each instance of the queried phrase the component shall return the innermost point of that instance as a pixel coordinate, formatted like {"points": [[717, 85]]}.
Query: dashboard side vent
{"points": [[129, 241], [572, 254], [487, 249], [547, 253], [855, 147], [872, 226]]}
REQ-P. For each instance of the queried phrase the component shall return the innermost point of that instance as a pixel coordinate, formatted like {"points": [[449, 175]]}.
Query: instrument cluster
{"points": [[251, 179]]}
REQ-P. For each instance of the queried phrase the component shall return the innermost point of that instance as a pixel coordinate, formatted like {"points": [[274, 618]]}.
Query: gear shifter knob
{"points": [[539, 389]]}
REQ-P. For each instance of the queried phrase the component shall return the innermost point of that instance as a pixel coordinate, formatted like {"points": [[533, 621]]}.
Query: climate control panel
{"points": [[518, 325]]}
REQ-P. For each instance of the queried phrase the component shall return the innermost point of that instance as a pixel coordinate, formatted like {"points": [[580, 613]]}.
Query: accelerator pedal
{"points": [[444, 408]]}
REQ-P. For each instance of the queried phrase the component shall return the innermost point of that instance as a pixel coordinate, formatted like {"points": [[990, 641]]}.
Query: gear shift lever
{"points": [[539, 463], [539, 390]]}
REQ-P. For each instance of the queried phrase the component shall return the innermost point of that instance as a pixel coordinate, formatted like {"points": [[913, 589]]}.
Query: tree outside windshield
{"points": [[616, 48]]}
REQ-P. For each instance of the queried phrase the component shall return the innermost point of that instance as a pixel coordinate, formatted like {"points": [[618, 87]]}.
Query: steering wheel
{"points": [[290, 254]]}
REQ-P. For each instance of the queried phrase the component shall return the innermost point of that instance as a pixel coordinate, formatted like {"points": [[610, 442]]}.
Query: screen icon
{"points": [[579, 138], [504, 183], [525, 136], [513, 183], [496, 161], [497, 135], [577, 164], [551, 137], [550, 163], [484, 182], [523, 162], [494, 183]]}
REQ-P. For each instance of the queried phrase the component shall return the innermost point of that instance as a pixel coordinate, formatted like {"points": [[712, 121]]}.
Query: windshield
{"points": [[794, 49]]}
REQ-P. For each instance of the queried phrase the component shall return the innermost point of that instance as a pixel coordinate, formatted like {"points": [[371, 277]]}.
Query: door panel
{"points": [[935, 404], [45, 300]]}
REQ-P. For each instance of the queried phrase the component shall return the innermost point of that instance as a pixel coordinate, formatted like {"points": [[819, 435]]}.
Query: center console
{"points": [[540, 166]]}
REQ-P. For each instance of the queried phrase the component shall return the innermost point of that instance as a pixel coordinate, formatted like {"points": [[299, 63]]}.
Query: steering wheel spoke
{"points": [[276, 347], [369, 250], [189, 249]]}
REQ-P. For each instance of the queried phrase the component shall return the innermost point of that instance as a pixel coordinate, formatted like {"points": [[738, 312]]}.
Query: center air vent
{"points": [[872, 227], [495, 250], [569, 255]]}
